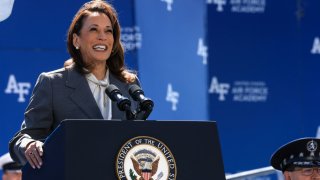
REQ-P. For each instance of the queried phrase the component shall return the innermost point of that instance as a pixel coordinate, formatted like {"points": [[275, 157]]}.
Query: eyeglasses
{"points": [[308, 171]]}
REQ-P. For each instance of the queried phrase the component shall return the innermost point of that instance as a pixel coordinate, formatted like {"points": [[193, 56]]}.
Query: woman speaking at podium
{"points": [[78, 90]]}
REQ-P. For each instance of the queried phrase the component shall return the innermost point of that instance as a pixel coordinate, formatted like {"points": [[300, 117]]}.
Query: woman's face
{"points": [[95, 41]]}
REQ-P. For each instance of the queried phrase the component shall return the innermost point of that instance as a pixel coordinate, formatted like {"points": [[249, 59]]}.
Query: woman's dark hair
{"points": [[115, 63]]}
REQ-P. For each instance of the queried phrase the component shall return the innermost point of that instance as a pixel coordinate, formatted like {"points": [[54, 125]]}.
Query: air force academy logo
{"points": [[219, 3], [316, 46], [173, 97], [145, 158], [202, 51], [169, 4], [5, 9], [20, 88], [219, 88]]}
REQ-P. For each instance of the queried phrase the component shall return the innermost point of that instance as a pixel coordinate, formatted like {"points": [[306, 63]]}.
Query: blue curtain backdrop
{"points": [[171, 71], [256, 54], [262, 76], [252, 66]]}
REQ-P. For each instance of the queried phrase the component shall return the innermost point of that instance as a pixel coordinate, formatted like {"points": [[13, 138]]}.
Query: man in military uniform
{"points": [[299, 159], [10, 169]]}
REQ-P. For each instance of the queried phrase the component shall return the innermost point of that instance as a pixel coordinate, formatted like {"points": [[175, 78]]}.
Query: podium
{"points": [[99, 149]]}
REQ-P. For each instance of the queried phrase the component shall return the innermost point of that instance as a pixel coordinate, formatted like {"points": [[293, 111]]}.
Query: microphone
{"points": [[145, 103], [123, 103]]}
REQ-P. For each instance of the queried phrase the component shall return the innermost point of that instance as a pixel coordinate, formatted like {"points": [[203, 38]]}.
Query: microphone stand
{"points": [[145, 104], [125, 106], [129, 114], [144, 112]]}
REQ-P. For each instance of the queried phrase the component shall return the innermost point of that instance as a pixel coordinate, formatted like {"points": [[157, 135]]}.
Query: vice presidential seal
{"points": [[145, 158]]}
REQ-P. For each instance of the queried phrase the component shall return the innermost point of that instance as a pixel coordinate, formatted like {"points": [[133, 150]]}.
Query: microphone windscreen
{"points": [[112, 92], [134, 88], [110, 89]]}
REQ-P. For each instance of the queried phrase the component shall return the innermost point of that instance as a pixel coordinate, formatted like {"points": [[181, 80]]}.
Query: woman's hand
{"points": [[33, 154]]}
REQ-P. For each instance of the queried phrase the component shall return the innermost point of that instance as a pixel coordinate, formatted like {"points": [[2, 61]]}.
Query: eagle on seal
{"points": [[145, 169]]}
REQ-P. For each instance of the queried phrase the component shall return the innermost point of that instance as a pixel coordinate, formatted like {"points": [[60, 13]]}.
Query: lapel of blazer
{"points": [[82, 95]]}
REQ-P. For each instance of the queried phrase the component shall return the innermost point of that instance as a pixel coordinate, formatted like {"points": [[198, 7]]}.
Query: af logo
{"points": [[202, 51], [220, 88], [316, 46], [219, 3], [312, 146], [169, 4], [20, 88], [5, 9], [173, 97], [145, 158]]}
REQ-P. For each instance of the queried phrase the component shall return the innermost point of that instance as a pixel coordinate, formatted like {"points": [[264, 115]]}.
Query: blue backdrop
{"points": [[262, 76], [252, 66]]}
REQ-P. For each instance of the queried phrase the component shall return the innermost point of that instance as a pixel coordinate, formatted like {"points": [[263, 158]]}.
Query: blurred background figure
{"points": [[11, 170], [298, 159], [68, 62]]}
